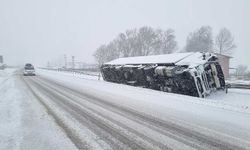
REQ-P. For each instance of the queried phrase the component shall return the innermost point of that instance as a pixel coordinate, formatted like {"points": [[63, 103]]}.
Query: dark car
{"points": [[29, 70]]}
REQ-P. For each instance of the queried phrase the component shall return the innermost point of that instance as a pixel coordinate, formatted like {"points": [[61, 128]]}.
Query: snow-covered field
{"points": [[25, 124]]}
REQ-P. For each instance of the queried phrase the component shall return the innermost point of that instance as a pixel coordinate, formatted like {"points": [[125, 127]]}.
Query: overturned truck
{"points": [[195, 74]]}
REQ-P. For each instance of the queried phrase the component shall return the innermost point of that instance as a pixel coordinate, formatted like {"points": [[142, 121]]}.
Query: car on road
{"points": [[29, 70]]}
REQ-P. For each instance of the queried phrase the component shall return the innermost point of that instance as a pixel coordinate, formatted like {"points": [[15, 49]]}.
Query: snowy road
{"points": [[24, 123], [94, 122], [60, 111]]}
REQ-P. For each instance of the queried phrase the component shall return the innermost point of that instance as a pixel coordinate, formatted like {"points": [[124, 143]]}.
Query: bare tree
{"points": [[127, 43], [241, 70], [224, 42], [166, 42], [248, 74], [107, 53], [200, 40], [100, 55], [132, 41], [122, 45], [146, 40], [142, 42]]}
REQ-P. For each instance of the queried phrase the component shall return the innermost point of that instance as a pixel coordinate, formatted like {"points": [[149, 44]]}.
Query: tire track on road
{"points": [[95, 123], [70, 100], [162, 146], [156, 124], [75, 139]]}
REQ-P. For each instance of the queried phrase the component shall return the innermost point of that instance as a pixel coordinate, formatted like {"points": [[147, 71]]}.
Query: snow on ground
{"points": [[4, 74], [221, 112], [24, 123], [10, 113], [235, 98], [72, 74]]}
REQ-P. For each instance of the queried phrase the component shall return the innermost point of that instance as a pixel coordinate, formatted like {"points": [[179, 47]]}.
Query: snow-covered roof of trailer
{"points": [[152, 59], [195, 59]]}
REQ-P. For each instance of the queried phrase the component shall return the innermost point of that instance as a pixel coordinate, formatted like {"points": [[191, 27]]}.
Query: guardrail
{"points": [[239, 86]]}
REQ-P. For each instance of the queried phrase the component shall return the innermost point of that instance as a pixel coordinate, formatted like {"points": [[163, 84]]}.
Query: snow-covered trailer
{"points": [[195, 74]]}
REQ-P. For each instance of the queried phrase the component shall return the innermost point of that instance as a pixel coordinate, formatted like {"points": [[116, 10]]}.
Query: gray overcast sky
{"points": [[38, 31]]}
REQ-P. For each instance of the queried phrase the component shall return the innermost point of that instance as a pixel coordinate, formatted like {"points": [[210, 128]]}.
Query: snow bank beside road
{"points": [[10, 114], [6, 73], [237, 98], [73, 74]]}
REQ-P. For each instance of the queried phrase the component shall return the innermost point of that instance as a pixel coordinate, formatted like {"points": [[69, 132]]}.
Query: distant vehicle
{"points": [[29, 70], [1, 66], [1, 63], [194, 74]]}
